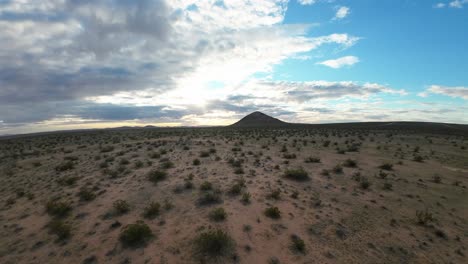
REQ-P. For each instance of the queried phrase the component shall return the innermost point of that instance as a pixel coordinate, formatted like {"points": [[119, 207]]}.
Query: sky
{"points": [[69, 64]]}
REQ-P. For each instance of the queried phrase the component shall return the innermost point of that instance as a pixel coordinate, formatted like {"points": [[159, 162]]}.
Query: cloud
{"points": [[452, 4], [148, 53], [340, 62], [342, 12], [459, 91], [458, 3], [306, 2]]}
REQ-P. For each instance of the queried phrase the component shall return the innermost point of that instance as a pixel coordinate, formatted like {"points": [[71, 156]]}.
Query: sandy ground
{"points": [[339, 220]]}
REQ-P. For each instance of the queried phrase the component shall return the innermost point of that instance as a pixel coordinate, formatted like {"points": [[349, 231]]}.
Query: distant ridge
{"points": [[259, 119]]}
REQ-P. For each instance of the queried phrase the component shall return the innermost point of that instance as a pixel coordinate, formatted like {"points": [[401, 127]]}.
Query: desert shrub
{"points": [[166, 165], [312, 160], [107, 149], [298, 174], [235, 189], [121, 206], [196, 162], [206, 186], [136, 234], [139, 164], [86, 194], [64, 166], [424, 217], [350, 163], [157, 175], [238, 171], [209, 197], [325, 172], [168, 204], [297, 244], [152, 210], [364, 183], [245, 198], [204, 154], [295, 194], [289, 156], [387, 186], [337, 169], [213, 244], [418, 158], [218, 214], [67, 181], [58, 208], [124, 162], [155, 155], [436, 178], [60, 228], [275, 194], [272, 212], [386, 166]]}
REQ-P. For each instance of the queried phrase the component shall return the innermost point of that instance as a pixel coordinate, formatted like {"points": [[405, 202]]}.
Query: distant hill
{"points": [[259, 119]]}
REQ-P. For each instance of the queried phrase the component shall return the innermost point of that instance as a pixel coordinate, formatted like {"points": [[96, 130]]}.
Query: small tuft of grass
{"points": [[297, 244], [206, 186], [58, 208], [121, 207], [86, 194], [350, 163], [298, 174], [245, 198], [424, 217], [136, 234], [156, 176], [213, 244], [272, 212], [218, 214], [60, 228], [386, 166], [152, 210]]}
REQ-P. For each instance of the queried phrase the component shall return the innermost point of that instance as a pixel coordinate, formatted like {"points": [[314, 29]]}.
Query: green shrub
{"points": [[297, 244], [68, 165], [312, 160], [86, 194], [152, 210], [136, 234], [206, 186], [386, 166], [275, 194], [213, 244], [272, 212], [196, 162], [350, 163], [337, 169], [418, 158], [245, 198], [157, 175], [424, 217], [121, 207], [60, 228], [209, 197], [58, 208], [364, 183], [218, 214], [296, 174]]}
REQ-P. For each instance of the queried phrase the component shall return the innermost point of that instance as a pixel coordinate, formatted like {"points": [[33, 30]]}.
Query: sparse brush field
{"points": [[234, 196]]}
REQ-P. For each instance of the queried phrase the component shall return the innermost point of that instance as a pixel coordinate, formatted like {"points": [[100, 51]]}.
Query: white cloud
{"points": [[452, 4], [306, 2], [457, 91], [458, 3], [340, 62], [342, 12]]}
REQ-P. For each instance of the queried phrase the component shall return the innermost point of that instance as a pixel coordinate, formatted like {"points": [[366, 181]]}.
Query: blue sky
{"points": [[67, 64]]}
